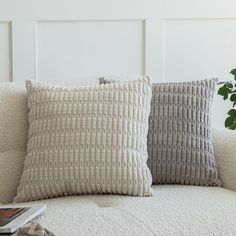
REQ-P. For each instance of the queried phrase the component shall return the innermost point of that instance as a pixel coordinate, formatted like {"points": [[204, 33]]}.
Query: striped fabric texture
{"points": [[180, 135], [86, 140]]}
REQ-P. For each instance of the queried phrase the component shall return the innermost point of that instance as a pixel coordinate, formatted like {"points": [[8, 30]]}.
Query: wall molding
{"points": [[142, 21], [10, 55]]}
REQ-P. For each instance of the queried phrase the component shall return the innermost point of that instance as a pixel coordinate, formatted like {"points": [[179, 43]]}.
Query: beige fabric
{"points": [[86, 140], [174, 210], [33, 229], [13, 137], [225, 153]]}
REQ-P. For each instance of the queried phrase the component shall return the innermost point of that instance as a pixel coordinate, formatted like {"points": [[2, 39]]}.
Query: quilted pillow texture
{"points": [[86, 140], [180, 135]]}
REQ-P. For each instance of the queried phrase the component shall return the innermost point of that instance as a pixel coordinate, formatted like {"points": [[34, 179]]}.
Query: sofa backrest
{"points": [[13, 143], [13, 137], [224, 142]]}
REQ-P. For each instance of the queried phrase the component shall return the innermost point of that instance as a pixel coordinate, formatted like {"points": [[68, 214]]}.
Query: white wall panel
{"points": [[5, 52], [68, 50], [200, 48]]}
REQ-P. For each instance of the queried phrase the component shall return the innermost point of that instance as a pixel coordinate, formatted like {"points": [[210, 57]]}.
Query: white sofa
{"points": [[174, 209]]}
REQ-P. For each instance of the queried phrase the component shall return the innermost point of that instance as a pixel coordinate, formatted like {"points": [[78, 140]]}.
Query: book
{"points": [[12, 217]]}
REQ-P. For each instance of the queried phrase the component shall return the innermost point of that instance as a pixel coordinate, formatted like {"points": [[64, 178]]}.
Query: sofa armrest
{"points": [[224, 143]]}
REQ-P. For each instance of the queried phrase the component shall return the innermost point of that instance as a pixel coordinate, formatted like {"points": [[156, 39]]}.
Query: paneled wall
{"points": [[66, 49], [5, 51], [171, 40]]}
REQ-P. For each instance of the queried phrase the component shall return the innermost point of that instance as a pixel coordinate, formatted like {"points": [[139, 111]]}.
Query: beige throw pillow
{"points": [[86, 140]]}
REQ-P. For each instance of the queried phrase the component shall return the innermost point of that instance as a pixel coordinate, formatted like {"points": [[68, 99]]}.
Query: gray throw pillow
{"points": [[180, 135], [86, 140]]}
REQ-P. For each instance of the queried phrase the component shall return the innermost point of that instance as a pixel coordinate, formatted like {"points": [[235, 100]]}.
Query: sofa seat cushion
{"points": [[174, 210]]}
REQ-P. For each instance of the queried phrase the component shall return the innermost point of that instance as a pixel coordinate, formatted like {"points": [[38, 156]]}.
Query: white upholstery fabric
{"points": [[225, 154], [174, 210], [13, 137]]}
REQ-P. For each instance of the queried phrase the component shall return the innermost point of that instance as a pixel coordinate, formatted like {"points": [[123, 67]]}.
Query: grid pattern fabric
{"points": [[86, 140], [180, 136]]}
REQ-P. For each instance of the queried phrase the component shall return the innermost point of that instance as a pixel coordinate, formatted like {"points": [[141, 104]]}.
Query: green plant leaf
{"points": [[233, 98], [229, 121], [233, 126], [227, 90], [232, 113], [229, 85], [224, 91], [233, 72]]}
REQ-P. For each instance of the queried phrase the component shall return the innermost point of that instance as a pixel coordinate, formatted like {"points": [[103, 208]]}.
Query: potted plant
{"points": [[228, 91]]}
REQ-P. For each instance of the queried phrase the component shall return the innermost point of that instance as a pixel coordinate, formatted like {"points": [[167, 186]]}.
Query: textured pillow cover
{"points": [[180, 135], [13, 133], [86, 140]]}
